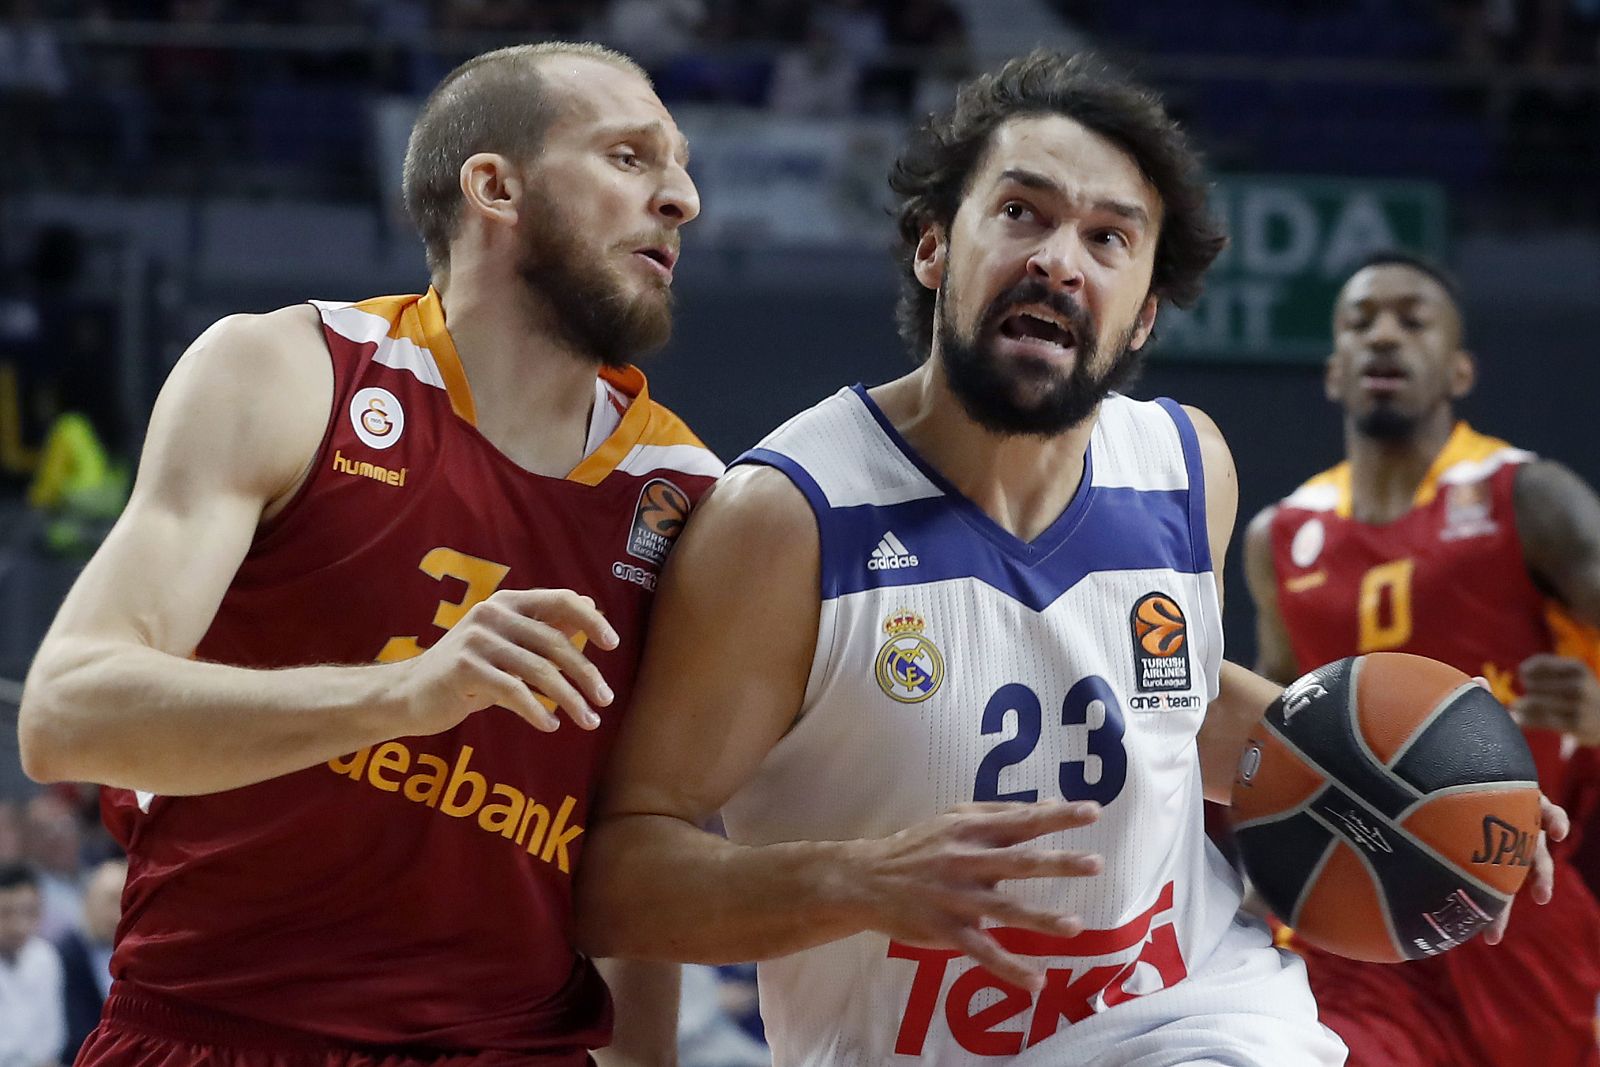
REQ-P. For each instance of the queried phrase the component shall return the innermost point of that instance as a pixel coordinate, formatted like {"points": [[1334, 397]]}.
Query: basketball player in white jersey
{"points": [[941, 651]]}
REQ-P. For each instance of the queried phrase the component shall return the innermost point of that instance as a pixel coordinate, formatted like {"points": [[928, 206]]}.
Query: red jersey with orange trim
{"points": [[416, 893], [1446, 580]]}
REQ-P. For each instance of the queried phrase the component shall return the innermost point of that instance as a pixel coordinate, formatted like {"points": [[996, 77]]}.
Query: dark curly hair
{"points": [[935, 170]]}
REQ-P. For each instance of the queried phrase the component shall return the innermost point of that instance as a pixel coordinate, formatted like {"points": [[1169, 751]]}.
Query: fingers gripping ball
{"points": [[1387, 807]]}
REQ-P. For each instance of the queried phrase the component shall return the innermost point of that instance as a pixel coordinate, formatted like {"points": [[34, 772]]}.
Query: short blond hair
{"points": [[494, 102]]}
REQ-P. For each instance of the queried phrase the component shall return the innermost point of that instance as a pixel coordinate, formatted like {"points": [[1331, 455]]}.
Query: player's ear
{"points": [[928, 262], [1463, 373], [1330, 382], [491, 187], [1145, 323]]}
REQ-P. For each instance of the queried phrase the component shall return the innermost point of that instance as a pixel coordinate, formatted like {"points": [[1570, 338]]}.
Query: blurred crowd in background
{"points": [[139, 94]]}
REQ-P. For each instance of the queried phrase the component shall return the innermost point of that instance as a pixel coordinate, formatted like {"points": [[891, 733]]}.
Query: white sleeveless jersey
{"points": [[956, 663]]}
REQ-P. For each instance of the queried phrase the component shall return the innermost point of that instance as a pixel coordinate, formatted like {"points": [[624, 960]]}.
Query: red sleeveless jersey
{"points": [[1446, 580], [416, 893]]}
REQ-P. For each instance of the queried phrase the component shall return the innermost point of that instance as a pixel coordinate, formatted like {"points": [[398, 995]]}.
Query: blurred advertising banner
{"points": [[775, 180], [1293, 242]]}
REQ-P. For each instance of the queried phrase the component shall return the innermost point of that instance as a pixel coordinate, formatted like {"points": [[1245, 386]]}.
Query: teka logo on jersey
{"points": [[377, 416], [1083, 975], [657, 520], [1160, 644]]}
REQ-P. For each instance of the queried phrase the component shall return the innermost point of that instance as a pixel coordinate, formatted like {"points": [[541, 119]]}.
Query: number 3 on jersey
{"points": [[1106, 728], [482, 578]]}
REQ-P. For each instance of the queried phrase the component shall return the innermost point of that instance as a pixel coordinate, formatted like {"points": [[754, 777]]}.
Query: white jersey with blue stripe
{"points": [[954, 663]]}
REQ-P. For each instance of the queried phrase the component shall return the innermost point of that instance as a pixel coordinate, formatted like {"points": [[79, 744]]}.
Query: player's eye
{"points": [[627, 158], [1017, 211], [1110, 238]]}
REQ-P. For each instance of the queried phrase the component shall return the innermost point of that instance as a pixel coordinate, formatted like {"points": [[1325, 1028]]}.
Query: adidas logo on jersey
{"points": [[890, 555]]}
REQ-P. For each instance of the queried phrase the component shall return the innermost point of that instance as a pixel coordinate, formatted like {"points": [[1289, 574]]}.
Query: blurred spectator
{"points": [[935, 34], [59, 417], [86, 953], [653, 31], [32, 1023], [708, 1035], [191, 91], [10, 832], [819, 78], [856, 26], [556, 18], [53, 840], [33, 82], [1540, 33], [31, 60]]}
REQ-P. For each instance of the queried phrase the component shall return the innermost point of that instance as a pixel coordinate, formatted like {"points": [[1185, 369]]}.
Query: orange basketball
{"points": [[1387, 807]]}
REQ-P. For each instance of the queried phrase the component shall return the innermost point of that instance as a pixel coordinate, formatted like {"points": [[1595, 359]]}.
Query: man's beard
{"points": [[991, 389], [1386, 425], [589, 304]]}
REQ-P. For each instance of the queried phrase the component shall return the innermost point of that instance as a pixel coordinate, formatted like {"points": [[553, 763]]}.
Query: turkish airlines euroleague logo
{"points": [[657, 520], [1160, 644]]}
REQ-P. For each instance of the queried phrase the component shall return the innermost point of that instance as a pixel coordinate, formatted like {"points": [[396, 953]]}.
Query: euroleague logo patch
{"points": [[1160, 644], [377, 416], [657, 520], [909, 667]]}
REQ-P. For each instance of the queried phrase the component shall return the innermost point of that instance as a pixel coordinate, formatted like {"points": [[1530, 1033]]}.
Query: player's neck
{"points": [[1385, 475], [1022, 483], [533, 394]]}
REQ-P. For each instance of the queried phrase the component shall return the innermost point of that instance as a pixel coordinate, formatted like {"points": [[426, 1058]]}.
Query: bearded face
{"points": [[1018, 394], [600, 312]]}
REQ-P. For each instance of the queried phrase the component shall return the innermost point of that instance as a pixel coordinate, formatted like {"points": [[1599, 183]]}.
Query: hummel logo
{"points": [[890, 555]]}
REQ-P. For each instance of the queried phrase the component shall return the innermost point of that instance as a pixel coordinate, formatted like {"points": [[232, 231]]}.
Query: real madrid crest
{"points": [[910, 667]]}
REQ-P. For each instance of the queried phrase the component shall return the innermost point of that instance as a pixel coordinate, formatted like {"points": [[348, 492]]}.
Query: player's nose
{"points": [[1384, 336], [677, 201], [1058, 261]]}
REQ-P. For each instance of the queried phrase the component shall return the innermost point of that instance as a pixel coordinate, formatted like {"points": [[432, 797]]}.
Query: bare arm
{"points": [[645, 1030], [113, 695], [1558, 520], [1274, 651], [1242, 697], [706, 712]]}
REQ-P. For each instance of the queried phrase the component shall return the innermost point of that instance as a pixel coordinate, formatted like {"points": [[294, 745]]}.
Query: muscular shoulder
{"points": [[1543, 487], [759, 505], [1222, 480], [1558, 522], [248, 400]]}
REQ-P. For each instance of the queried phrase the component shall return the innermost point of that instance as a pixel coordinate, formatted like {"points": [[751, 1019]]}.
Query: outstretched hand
{"points": [[934, 883], [1541, 882]]}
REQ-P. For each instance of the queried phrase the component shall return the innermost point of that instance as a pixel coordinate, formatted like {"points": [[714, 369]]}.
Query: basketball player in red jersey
{"points": [[468, 491], [1434, 539]]}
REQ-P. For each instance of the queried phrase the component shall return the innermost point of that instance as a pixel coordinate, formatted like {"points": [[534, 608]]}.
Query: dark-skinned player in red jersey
{"points": [[1435, 539], [376, 555]]}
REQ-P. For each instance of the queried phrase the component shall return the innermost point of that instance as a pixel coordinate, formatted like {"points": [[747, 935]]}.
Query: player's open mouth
{"points": [[660, 258], [1039, 329]]}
